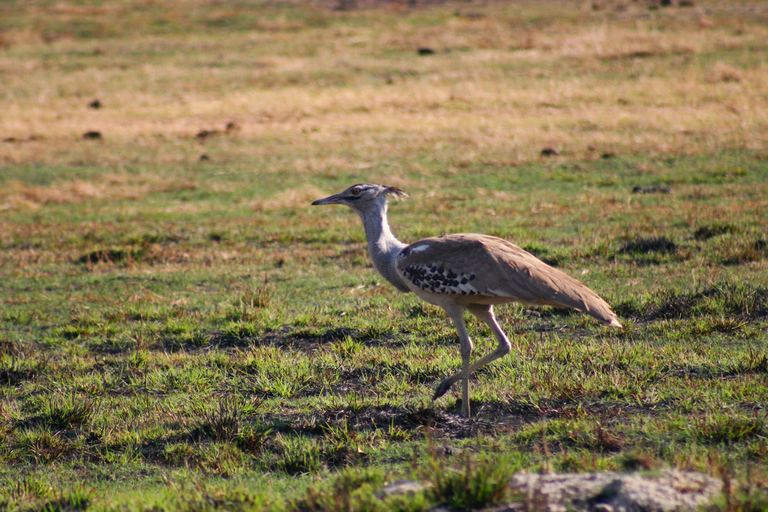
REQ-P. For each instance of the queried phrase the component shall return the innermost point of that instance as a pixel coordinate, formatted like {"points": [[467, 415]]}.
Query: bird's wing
{"points": [[469, 264]]}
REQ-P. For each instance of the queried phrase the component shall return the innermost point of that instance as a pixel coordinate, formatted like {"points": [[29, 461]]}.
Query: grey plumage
{"points": [[464, 271]]}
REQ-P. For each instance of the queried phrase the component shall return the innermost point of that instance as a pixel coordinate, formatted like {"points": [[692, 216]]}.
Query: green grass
{"points": [[179, 333]]}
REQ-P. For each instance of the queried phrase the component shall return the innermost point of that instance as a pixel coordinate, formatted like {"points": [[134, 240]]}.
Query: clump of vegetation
{"points": [[656, 244], [754, 251], [728, 428], [224, 422], [464, 482], [475, 483], [67, 412], [713, 230], [723, 304]]}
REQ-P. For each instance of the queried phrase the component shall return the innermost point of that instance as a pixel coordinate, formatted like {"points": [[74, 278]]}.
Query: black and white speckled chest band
{"points": [[437, 279]]}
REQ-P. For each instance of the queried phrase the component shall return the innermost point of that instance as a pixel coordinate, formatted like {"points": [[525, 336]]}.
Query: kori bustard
{"points": [[464, 271]]}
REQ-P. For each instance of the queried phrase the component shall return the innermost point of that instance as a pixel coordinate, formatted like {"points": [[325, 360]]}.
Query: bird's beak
{"points": [[334, 199]]}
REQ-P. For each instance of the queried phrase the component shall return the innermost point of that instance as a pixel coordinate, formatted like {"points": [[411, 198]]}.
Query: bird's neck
{"points": [[382, 245]]}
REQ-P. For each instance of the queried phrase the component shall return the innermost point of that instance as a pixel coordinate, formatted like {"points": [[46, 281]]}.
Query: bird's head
{"points": [[363, 196]]}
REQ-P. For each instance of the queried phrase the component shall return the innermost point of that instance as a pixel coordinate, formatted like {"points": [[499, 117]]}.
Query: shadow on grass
{"points": [[735, 300]]}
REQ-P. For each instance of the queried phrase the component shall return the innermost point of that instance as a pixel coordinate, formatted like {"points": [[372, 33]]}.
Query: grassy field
{"points": [[180, 330]]}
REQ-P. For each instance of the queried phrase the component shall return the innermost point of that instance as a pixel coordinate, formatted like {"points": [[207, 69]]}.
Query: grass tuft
{"points": [[42, 447], [14, 370], [657, 244], [726, 305], [728, 428], [349, 490], [73, 501], [247, 305], [296, 457], [222, 422], [64, 412], [713, 230], [753, 252], [477, 482]]}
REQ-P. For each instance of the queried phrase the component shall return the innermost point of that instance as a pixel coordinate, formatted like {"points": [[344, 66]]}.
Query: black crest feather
{"points": [[395, 192]]}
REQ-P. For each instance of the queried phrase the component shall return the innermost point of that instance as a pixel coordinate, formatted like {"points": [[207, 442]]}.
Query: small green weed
{"points": [[179, 454]]}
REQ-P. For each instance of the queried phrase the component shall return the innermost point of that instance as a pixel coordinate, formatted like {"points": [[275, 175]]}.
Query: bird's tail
{"points": [[592, 304], [571, 293]]}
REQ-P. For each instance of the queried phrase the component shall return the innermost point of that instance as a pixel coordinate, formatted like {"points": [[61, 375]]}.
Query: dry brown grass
{"points": [[628, 81], [17, 195], [298, 197]]}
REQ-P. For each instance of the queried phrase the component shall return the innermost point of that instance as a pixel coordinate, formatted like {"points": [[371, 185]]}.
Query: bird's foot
{"points": [[442, 388]]}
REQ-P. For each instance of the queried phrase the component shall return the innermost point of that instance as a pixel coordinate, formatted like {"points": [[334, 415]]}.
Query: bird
{"points": [[464, 271]]}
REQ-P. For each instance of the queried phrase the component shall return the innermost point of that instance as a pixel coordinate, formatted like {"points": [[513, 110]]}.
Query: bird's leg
{"points": [[457, 315], [484, 313]]}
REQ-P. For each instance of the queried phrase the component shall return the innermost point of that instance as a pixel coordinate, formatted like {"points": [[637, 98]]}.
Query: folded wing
{"points": [[492, 269]]}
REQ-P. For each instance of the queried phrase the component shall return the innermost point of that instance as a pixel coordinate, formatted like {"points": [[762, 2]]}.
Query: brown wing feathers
{"points": [[469, 264]]}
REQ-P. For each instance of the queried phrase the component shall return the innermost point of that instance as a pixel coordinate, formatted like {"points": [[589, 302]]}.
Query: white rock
{"points": [[669, 491]]}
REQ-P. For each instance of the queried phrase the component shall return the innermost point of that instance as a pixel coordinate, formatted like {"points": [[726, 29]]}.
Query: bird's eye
{"points": [[356, 191]]}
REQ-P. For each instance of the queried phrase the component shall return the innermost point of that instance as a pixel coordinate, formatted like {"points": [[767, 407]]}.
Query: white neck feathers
{"points": [[382, 244]]}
